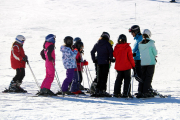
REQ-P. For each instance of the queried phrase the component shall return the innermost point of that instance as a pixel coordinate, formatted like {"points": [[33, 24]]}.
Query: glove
{"points": [[25, 59], [113, 60], [134, 54], [82, 51], [136, 76], [95, 61], [85, 62]]}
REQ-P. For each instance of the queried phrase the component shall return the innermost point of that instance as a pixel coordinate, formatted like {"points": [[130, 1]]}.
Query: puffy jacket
{"points": [[124, 57], [68, 57], [49, 53], [148, 52], [138, 39], [79, 62], [17, 55], [104, 52]]}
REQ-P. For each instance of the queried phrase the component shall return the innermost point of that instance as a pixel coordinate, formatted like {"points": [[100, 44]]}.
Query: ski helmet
{"points": [[77, 39], [135, 29], [20, 39], [79, 45], [122, 38], [68, 40], [147, 32], [105, 35], [50, 38]]}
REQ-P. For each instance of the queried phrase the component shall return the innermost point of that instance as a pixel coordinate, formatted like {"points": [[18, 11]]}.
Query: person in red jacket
{"points": [[124, 63], [18, 60]]}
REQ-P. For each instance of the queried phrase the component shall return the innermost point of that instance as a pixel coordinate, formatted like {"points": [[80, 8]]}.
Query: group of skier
{"points": [[142, 59]]}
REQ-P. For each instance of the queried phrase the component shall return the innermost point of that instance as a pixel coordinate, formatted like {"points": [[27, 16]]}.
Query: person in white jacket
{"points": [[148, 55]]}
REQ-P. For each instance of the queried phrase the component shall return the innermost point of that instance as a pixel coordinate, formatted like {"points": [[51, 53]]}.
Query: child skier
{"points": [[18, 59], [148, 54], [69, 61], [49, 54], [77, 79], [104, 56], [136, 33]]}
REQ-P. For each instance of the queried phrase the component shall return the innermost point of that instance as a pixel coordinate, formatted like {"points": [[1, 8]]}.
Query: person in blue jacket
{"points": [[136, 33], [104, 57]]}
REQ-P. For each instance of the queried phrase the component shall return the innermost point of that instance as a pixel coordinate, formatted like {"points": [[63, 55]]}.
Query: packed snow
{"points": [[87, 19]]}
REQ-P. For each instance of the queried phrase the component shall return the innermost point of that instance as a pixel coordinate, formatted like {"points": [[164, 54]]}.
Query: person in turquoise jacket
{"points": [[148, 55], [136, 33]]}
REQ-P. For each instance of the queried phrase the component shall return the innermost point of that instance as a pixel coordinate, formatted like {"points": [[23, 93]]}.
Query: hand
{"points": [[134, 54], [113, 60], [25, 58], [95, 61], [85, 62], [82, 51]]}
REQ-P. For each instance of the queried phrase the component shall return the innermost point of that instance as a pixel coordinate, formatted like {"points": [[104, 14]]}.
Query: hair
{"points": [[145, 36], [121, 41]]}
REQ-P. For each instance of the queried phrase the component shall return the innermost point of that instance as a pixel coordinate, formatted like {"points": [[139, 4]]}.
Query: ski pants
{"points": [[20, 73], [68, 79], [75, 82], [126, 75], [50, 73], [147, 75], [139, 73], [103, 70]]}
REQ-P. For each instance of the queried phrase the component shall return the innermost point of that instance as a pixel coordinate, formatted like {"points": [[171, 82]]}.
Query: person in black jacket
{"points": [[104, 56]]}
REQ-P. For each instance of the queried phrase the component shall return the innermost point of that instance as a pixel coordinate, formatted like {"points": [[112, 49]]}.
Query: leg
{"points": [[127, 82], [75, 83], [118, 83], [103, 75], [68, 80], [139, 73]]}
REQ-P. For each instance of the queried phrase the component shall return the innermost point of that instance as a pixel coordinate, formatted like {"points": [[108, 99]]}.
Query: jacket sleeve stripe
{"points": [[17, 58]]}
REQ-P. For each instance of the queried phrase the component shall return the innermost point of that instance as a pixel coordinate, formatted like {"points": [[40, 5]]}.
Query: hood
{"points": [[102, 42], [122, 46], [144, 46]]}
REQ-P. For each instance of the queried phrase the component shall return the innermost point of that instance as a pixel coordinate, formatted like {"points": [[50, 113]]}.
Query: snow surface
{"points": [[88, 19]]}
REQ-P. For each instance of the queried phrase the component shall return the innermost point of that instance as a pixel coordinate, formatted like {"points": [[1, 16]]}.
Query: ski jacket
{"points": [[68, 57], [79, 62], [138, 39], [148, 52], [17, 55], [104, 52], [49, 54], [124, 57]]}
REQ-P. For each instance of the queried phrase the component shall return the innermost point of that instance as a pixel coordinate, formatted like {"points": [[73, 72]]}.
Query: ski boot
{"points": [[46, 92], [105, 94], [117, 95], [20, 88], [13, 87]]}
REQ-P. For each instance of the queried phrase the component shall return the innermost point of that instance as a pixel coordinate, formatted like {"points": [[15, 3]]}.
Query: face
{"points": [[82, 48], [133, 34]]}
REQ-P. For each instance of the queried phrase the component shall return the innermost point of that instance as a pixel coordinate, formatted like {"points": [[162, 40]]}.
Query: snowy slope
{"points": [[88, 19]]}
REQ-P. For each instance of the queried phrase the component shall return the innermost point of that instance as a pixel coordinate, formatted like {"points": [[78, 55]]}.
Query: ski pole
{"points": [[109, 80], [57, 78], [33, 76], [88, 78]]}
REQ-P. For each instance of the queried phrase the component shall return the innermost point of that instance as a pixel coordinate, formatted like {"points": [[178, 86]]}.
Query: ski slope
{"points": [[87, 19]]}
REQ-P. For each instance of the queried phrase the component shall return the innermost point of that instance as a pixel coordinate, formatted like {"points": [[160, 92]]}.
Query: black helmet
{"points": [[135, 29], [105, 35], [68, 40], [79, 45], [122, 38]]}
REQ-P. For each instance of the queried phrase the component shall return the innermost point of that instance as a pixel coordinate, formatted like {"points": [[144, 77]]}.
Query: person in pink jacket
{"points": [[49, 56]]}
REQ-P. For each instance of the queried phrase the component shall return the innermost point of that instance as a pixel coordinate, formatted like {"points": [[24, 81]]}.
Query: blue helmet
{"points": [[50, 38]]}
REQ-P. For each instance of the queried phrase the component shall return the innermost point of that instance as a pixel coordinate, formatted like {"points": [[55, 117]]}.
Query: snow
{"points": [[88, 19]]}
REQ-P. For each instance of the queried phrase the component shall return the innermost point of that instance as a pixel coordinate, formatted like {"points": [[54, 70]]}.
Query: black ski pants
{"points": [[139, 73], [126, 75], [20, 73], [147, 76], [95, 79], [103, 70]]}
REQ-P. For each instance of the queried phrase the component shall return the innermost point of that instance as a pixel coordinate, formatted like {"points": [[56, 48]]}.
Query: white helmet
{"points": [[147, 32], [20, 39]]}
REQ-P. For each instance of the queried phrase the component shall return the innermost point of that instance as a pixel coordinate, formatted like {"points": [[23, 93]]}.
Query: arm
{"points": [[130, 57], [93, 51], [154, 51], [16, 53], [110, 49]]}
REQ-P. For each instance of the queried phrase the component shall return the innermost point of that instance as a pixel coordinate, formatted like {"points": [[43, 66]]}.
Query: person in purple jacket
{"points": [[104, 57], [69, 62]]}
